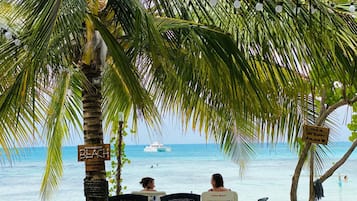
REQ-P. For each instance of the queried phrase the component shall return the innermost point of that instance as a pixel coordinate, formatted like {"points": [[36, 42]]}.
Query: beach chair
{"points": [[181, 197], [263, 199], [152, 195], [220, 196], [128, 197]]}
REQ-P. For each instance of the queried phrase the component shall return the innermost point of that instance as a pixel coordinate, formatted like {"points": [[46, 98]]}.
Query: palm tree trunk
{"points": [[95, 184]]}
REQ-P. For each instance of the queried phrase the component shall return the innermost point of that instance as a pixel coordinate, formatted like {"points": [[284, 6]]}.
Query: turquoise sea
{"points": [[187, 168]]}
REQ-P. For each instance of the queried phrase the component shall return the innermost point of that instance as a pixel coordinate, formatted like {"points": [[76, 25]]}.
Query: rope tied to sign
{"points": [[319, 191]]}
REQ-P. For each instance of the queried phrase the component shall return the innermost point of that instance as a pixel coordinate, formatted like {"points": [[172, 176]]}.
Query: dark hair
{"points": [[146, 181], [218, 180]]}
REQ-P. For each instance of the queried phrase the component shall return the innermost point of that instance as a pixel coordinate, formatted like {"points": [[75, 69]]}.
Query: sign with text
{"points": [[315, 134], [94, 152]]}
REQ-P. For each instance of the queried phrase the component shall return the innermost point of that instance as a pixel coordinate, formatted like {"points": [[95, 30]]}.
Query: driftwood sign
{"points": [[94, 152], [93, 155], [315, 134]]}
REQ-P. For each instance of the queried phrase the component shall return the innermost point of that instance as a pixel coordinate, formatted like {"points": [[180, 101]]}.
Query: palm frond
{"points": [[127, 77], [62, 112], [19, 109]]}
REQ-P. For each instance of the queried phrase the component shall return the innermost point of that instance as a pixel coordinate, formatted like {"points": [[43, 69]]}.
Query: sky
{"points": [[172, 132]]}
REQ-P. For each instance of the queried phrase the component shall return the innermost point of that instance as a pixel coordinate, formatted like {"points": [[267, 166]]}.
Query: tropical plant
{"points": [[118, 160], [234, 72], [329, 98], [60, 71], [293, 37], [353, 125]]}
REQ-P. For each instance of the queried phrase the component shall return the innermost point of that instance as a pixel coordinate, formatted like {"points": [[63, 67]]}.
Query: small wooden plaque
{"points": [[94, 152], [315, 134]]}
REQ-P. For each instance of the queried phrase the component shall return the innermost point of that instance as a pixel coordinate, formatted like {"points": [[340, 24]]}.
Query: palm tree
{"points": [[292, 39], [60, 71], [297, 40], [232, 72]]}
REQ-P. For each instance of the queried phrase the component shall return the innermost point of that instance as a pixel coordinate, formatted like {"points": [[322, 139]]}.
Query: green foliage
{"points": [[333, 95], [336, 91], [301, 144], [111, 174], [231, 73], [353, 125]]}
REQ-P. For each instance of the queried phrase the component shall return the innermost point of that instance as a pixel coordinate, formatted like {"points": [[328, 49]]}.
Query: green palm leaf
{"points": [[63, 116]]}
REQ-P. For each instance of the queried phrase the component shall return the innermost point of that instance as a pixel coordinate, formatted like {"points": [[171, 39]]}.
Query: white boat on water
{"points": [[157, 147]]}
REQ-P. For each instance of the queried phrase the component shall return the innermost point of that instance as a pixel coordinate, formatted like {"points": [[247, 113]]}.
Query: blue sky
{"points": [[172, 132]]}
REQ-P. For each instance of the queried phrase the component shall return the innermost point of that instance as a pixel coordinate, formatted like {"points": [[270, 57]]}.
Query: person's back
{"points": [[217, 183], [148, 184], [219, 196]]}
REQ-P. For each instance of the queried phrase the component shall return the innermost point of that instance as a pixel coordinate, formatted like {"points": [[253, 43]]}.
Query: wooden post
{"points": [[119, 155]]}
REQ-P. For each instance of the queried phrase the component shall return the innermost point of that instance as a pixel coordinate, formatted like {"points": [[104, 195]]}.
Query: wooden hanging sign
{"points": [[94, 152], [315, 134]]}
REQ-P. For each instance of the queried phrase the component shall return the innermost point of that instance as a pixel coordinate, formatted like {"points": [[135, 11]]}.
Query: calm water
{"points": [[186, 169]]}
